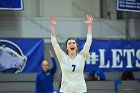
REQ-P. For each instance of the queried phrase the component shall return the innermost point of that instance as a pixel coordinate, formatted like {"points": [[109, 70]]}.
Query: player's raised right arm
{"points": [[59, 53]]}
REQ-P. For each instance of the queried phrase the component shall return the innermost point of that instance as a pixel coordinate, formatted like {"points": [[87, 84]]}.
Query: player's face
{"points": [[71, 46], [45, 65]]}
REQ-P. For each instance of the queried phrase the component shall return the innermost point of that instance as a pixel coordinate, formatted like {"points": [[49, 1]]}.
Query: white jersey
{"points": [[72, 69]]}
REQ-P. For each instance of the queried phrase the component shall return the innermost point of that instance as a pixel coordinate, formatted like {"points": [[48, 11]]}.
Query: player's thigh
{"points": [[66, 92], [72, 92], [81, 92]]}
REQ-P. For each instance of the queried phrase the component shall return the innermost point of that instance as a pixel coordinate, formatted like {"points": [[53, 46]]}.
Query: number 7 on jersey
{"points": [[74, 66]]}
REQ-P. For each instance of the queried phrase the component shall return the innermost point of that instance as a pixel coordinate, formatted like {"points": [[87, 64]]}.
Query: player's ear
{"points": [[77, 47], [66, 49]]}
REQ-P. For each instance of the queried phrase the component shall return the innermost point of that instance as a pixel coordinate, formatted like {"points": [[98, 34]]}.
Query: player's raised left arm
{"points": [[87, 45]]}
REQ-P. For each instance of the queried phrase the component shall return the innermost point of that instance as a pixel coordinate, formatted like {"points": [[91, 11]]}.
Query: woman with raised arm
{"points": [[72, 63]]}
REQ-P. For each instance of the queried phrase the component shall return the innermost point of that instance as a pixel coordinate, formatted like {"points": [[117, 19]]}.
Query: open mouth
{"points": [[72, 48]]}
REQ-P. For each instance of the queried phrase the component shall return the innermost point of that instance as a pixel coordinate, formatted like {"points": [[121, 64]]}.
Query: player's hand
{"points": [[53, 22], [89, 20]]}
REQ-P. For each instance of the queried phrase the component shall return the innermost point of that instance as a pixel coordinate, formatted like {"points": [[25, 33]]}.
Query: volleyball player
{"points": [[72, 63]]}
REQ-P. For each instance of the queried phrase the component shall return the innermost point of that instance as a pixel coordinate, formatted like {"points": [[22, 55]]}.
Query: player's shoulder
{"points": [[83, 55], [79, 55]]}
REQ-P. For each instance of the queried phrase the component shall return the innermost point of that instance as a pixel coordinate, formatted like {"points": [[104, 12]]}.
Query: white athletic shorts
{"points": [[73, 87]]}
